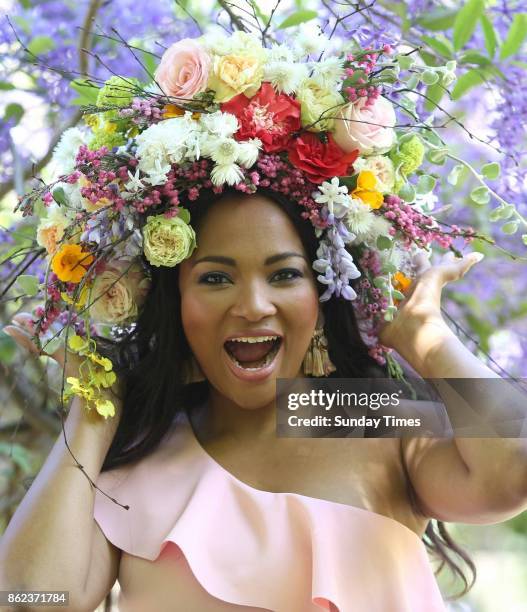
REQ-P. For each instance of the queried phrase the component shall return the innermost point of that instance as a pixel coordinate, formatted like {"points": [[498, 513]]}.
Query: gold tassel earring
{"points": [[316, 361]]}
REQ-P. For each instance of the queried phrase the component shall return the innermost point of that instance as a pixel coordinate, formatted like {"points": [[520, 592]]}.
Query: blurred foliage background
{"points": [[484, 117]]}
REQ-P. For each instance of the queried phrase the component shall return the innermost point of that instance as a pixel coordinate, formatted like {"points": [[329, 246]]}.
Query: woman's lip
{"points": [[247, 375]]}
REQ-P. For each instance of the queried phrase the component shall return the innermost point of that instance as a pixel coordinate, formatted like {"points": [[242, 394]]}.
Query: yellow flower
{"points": [[85, 291], [70, 263], [235, 74], [365, 189], [105, 408]]}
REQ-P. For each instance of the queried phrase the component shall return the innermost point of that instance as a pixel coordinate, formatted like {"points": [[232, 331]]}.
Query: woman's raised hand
{"points": [[21, 332]]}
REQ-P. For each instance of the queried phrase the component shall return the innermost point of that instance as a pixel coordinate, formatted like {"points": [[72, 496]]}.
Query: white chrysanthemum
{"points": [[64, 153], [219, 124], [379, 227], [328, 72], [226, 173], [359, 218], [335, 196], [309, 40], [224, 151], [382, 168], [248, 152], [280, 53], [215, 41], [285, 77]]}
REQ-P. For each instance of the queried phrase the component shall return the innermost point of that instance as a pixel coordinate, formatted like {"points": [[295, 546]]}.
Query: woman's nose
{"points": [[253, 302]]}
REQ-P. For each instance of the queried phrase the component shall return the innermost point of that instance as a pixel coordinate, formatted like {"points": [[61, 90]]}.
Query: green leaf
{"points": [[437, 156], [86, 90], [441, 44], [480, 195], [515, 36], [297, 18], [434, 93], [407, 193], [52, 345], [502, 212], [466, 81], [384, 243], [425, 184], [41, 44], [466, 21], [511, 227], [429, 77], [439, 19], [379, 282], [184, 214], [454, 174], [60, 197], [398, 295], [524, 239], [28, 284], [473, 57], [5, 86], [13, 110], [491, 171], [405, 61], [491, 40]]}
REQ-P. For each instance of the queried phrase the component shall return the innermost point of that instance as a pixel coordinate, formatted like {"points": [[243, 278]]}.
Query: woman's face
{"points": [[249, 278]]}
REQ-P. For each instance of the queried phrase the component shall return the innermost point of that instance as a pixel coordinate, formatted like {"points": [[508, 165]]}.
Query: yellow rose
{"points": [[235, 74], [316, 100], [166, 242]]}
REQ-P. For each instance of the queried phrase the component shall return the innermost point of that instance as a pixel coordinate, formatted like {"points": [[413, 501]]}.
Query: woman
{"points": [[222, 514]]}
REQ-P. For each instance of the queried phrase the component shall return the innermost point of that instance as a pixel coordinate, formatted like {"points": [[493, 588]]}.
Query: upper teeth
{"points": [[254, 339]]}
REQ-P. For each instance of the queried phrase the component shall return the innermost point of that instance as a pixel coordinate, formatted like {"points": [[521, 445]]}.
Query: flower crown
{"points": [[225, 111]]}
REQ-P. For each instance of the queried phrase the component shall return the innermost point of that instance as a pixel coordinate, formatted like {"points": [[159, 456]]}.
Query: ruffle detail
{"points": [[282, 552]]}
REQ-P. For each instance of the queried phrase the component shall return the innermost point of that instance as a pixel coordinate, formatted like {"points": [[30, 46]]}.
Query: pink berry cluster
{"points": [[364, 65], [417, 227], [143, 111]]}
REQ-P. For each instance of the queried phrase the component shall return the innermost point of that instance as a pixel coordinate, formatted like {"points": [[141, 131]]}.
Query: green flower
{"points": [[407, 158], [106, 138], [167, 242], [117, 91]]}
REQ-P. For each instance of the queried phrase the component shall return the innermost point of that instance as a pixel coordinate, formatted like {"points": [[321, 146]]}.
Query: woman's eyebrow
{"points": [[229, 261]]}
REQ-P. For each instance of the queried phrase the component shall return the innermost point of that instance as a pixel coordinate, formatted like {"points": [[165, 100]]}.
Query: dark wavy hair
{"points": [[151, 356]]}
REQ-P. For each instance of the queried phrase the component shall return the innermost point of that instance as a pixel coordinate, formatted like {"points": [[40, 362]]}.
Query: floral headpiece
{"points": [[227, 111]]}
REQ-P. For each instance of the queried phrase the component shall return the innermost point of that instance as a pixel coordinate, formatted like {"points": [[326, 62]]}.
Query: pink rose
{"points": [[184, 69], [367, 128]]}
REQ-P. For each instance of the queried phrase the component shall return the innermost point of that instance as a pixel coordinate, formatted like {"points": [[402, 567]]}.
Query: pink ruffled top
{"points": [[283, 552]]}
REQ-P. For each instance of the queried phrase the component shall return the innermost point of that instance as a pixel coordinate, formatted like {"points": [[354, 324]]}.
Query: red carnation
{"points": [[319, 160], [269, 116]]}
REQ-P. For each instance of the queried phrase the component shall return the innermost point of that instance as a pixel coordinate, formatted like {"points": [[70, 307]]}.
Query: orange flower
{"points": [[365, 189], [401, 283], [70, 263], [171, 110]]}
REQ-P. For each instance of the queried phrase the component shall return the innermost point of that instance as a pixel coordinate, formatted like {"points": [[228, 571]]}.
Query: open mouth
{"points": [[253, 354]]}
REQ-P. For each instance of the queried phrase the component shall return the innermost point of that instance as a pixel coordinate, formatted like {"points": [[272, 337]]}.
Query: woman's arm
{"points": [[473, 480], [53, 541]]}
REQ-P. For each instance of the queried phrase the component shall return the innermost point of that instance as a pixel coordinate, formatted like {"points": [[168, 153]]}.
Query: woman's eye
{"points": [[288, 274], [214, 275]]}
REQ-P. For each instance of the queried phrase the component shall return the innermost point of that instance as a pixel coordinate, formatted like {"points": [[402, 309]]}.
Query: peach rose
{"points": [[184, 69], [120, 298], [51, 229], [367, 128]]}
